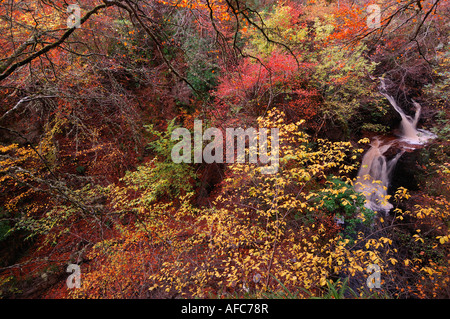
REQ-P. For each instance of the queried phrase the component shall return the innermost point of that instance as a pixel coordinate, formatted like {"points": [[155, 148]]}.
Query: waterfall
{"points": [[375, 172], [408, 125], [374, 176]]}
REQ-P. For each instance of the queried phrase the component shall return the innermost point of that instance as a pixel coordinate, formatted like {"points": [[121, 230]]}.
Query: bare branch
{"points": [[6, 73]]}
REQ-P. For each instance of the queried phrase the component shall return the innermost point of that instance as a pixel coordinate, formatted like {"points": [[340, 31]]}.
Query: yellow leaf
{"points": [[393, 261]]}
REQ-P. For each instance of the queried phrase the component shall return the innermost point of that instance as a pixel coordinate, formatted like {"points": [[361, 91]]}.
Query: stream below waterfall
{"points": [[375, 172]]}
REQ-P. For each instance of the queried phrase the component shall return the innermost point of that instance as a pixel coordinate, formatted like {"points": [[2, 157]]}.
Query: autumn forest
{"points": [[99, 99]]}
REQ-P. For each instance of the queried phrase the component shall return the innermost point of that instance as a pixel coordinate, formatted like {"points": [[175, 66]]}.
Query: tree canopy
{"points": [[91, 93]]}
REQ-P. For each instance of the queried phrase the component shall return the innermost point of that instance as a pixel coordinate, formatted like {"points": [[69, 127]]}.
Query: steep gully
{"points": [[374, 175]]}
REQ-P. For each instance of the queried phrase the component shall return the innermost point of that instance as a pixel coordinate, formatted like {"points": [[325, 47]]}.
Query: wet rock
{"points": [[406, 171]]}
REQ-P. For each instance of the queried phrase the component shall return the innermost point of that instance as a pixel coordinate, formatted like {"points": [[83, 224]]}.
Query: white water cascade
{"points": [[375, 172], [410, 133], [374, 176]]}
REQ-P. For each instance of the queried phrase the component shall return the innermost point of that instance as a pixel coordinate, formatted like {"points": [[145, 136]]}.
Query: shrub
{"points": [[161, 176]]}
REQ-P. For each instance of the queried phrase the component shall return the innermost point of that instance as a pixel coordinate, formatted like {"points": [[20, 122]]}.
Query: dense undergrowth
{"points": [[87, 178]]}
